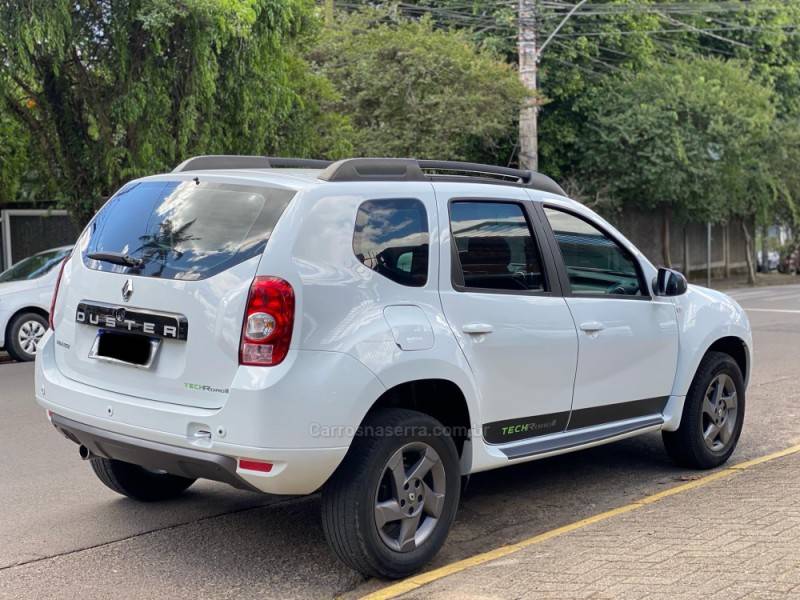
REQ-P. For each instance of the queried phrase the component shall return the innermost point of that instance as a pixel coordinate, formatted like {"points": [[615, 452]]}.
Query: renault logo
{"points": [[127, 290]]}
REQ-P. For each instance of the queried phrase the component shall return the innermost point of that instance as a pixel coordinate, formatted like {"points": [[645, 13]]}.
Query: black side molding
{"points": [[511, 430]]}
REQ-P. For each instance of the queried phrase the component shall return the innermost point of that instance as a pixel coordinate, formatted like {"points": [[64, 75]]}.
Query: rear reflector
{"points": [[255, 465]]}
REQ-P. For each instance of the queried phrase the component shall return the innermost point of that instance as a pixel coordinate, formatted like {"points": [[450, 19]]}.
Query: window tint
{"points": [[391, 238], [595, 263], [34, 266], [496, 250], [185, 230]]}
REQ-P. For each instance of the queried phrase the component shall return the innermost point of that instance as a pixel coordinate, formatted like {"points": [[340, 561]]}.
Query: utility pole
{"points": [[530, 52], [528, 65]]}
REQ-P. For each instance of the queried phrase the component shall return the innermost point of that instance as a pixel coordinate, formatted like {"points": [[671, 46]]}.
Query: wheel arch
{"points": [[441, 399], [732, 344], [736, 348]]}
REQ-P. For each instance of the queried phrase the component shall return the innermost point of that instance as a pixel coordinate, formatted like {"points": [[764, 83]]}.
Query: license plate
{"points": [[133, 320]]}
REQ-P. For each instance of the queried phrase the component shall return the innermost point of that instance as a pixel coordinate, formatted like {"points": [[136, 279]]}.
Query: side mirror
{"points": [[669, 283]]}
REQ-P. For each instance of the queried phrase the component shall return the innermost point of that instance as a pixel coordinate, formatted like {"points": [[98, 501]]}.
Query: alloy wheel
{"points": [[410, 497], [720, 408], [29, 336]]}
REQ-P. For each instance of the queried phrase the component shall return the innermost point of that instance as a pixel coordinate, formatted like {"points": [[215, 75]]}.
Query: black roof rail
{"points": [[407, 169], [223, 162], [381, 169]]}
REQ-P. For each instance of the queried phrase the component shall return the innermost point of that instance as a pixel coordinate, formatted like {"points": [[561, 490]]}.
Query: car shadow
{"points": [[279, 550]]}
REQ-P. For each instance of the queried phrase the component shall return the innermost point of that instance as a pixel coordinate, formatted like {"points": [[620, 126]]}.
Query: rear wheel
{"points": [[388, 508], [137, 482], [24, 334], [713, 415]]}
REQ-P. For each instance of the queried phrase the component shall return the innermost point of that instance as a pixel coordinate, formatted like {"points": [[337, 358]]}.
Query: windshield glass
{"points": [[183, 229], [34, 266]]}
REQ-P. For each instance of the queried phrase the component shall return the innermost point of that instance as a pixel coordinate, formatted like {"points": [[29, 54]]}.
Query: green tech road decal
{"points": [[199, 387]]}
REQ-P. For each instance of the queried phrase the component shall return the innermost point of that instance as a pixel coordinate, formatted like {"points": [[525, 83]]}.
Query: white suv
{"points": [[376, 329]]}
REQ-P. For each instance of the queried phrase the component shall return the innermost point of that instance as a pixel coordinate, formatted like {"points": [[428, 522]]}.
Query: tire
{"points": [[138, 483], [695, 444], [24, 333], [365, 478]]}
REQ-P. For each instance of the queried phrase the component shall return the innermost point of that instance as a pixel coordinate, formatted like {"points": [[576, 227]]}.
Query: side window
{"points": [[391, 238], [596, 264], [496, 250]]}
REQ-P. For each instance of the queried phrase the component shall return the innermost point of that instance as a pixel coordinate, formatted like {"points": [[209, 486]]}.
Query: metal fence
{"points": [[26, 231]]}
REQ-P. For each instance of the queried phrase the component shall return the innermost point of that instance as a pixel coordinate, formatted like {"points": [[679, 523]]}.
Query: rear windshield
{"points": [[184, 230]]}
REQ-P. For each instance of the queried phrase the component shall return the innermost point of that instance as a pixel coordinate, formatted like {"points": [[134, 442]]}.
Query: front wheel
{"points": [[713, 415], [388, 508]]}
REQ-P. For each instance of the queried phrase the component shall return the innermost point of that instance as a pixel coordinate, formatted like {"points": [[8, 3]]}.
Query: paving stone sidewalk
{"points": [[737, 537]]}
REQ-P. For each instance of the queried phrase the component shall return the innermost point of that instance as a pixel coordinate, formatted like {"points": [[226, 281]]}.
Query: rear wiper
{"points": [[117, 258]]}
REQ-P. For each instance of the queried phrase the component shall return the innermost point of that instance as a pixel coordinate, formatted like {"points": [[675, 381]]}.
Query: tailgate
{"points": [[167, 328]]}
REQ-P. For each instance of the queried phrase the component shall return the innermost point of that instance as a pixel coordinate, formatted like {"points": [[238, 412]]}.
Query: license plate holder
{"points": [[129, 349]]}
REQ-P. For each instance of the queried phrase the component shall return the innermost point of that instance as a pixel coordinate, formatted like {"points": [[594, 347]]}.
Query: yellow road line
{"points": [[416, 581]]}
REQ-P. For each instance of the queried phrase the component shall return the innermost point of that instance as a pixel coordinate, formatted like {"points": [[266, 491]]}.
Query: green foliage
{"points": [[14, 142], [112, 90], [607, 41], [685, 134], [636, 101], [414, 90]]}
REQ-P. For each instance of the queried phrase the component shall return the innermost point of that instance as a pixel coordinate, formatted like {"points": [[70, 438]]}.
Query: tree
{"points": [[411, 89], [14, 159], [112, 90], [684, 137]]}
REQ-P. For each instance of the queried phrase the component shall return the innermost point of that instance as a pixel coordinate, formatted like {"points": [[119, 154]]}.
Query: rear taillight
{"points": [[268, 322], [51, 316]]}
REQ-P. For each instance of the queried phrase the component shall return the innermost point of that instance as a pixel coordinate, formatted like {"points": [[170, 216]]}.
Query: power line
{"points": [[784, 28]]}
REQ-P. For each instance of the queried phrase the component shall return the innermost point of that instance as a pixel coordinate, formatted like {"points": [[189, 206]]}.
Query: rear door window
{"points": [[496, 248], [185, 230]]}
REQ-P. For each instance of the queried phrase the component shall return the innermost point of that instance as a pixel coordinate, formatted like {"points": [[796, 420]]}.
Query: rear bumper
{"points": [[276, 423], [152, 455]]}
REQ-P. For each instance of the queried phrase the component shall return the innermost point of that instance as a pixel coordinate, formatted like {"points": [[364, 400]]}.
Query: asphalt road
{"points": [[64, 535]]}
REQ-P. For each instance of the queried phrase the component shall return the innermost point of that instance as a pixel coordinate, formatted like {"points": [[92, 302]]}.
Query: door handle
{"points": [[592, 326], [476, 328]]}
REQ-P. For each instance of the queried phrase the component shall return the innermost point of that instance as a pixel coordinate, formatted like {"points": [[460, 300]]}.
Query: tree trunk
{"points": [[665, 241], [528, 59], [749, 252]]}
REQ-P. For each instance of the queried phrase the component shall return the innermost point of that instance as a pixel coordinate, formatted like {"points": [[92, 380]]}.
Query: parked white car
{"points": [[376, 329], [26, 290]]}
